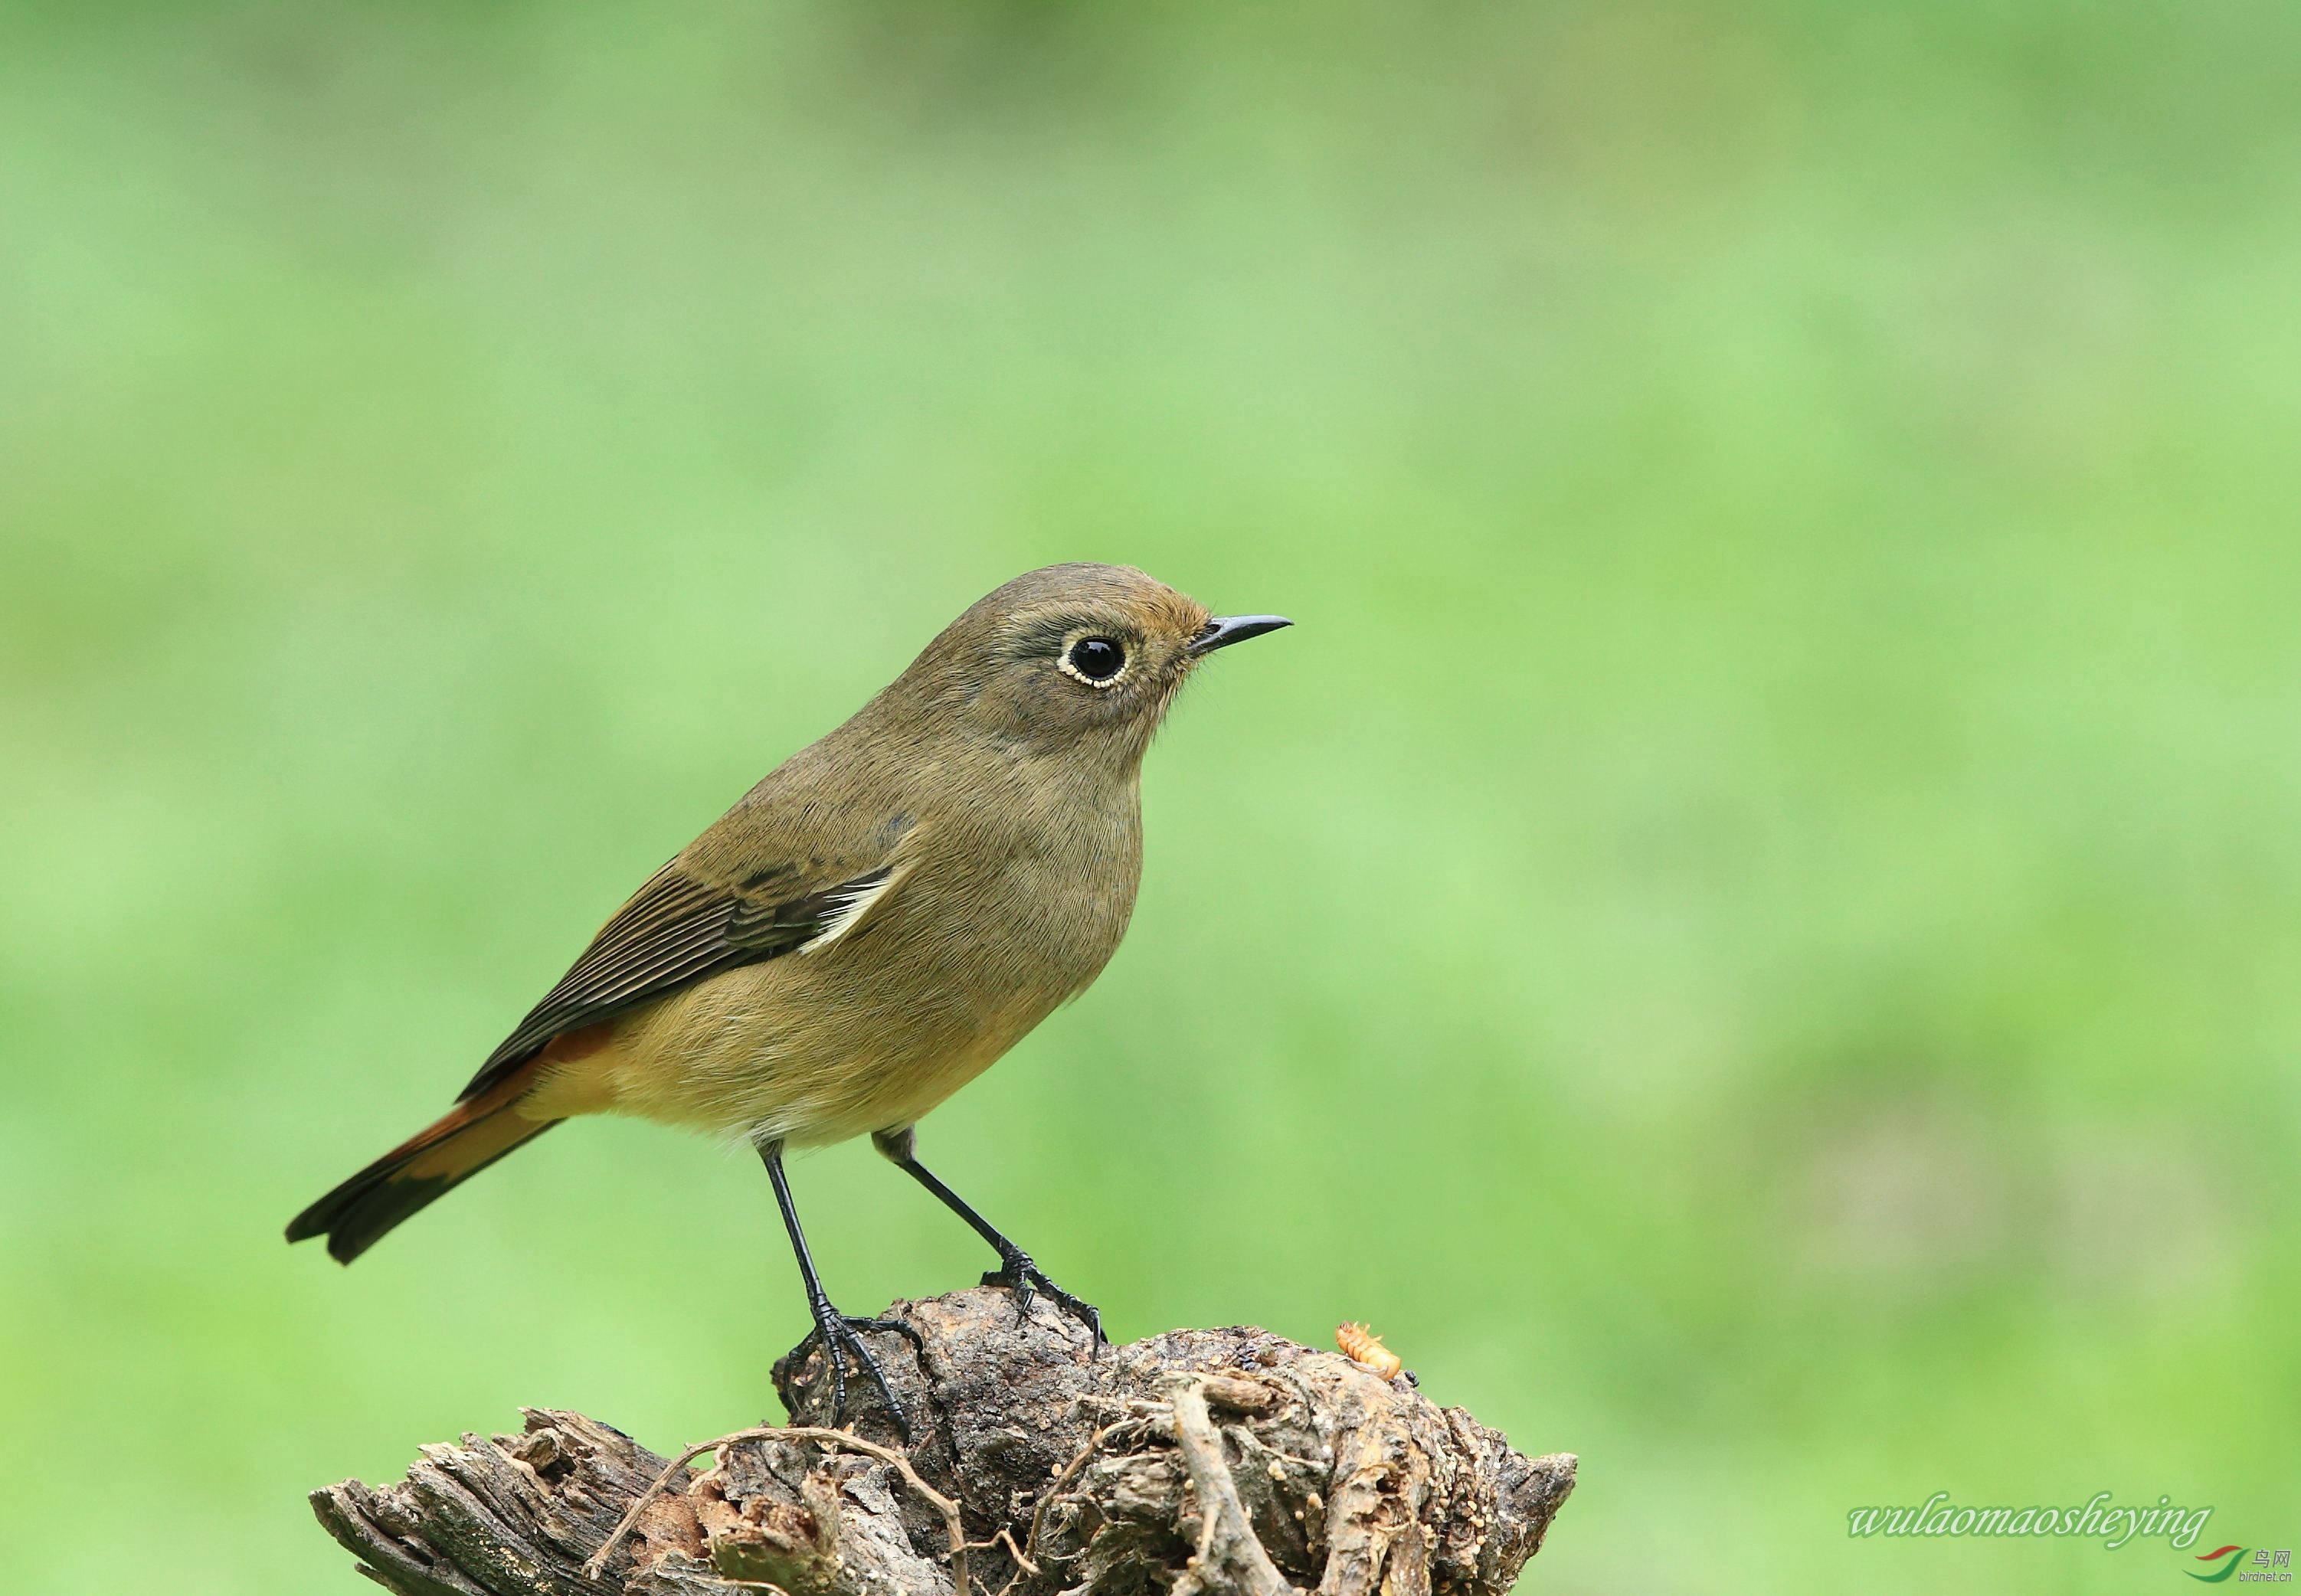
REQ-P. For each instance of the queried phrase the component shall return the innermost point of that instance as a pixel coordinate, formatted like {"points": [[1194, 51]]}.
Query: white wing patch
{"points": [[847, 907]]}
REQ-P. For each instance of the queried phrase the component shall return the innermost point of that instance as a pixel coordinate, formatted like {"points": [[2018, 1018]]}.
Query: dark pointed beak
{"points": [[1224, 631]]}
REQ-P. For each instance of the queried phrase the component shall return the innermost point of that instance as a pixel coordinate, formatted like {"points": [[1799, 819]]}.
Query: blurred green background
{"points": [[1751, 929]]}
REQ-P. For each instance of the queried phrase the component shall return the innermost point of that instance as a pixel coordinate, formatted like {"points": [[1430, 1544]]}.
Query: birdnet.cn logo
{"points": [[2254, 1563]]}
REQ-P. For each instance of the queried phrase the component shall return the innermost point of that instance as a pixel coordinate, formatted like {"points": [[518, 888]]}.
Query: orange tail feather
{"points": [[427, 1166]]}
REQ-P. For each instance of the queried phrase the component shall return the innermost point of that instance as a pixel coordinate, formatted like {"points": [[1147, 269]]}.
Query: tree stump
{"points": [[1199, 1461]]}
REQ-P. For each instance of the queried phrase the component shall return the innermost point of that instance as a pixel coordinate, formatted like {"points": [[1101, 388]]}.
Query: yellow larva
{"points": [[1362, 1347]]}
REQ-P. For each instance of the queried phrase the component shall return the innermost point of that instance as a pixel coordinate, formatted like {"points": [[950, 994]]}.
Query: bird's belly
{"points": [[944, 974], [764, 1052]]}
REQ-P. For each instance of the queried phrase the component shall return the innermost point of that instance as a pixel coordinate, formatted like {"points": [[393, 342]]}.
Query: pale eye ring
{"points": [[1096, 660]]}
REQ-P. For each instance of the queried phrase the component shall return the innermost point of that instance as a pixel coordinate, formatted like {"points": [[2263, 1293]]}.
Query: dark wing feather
{"points": [[677, 930]]}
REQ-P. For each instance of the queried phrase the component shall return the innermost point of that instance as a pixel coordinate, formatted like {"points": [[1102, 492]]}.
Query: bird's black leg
{"points": [[1016, 1270], [837, 1331]]}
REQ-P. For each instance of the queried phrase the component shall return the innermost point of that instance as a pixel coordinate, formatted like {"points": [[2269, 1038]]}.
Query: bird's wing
{"points": [[678, 928]]}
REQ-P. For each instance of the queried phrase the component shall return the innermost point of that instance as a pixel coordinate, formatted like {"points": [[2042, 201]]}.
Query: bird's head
{"points": [[1077, 660]]}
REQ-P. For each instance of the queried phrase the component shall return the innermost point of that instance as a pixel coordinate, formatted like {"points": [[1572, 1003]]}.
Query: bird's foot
{"points": [[842, 1336], [1026, 1279]]}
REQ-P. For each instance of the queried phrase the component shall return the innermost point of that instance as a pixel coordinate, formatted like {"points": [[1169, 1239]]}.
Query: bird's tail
{"points": [[460, 1143]]}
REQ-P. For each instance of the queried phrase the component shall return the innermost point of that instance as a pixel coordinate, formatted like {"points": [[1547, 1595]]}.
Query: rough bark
{"points": [[1201, 1462]]}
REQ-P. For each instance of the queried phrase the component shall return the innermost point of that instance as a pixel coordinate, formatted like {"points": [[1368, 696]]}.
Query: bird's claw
{"points": [[841, 1335], [1026, 1279]]}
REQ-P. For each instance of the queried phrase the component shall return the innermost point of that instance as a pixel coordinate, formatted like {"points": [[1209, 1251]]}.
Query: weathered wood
{"points": [[1200, 1461]]}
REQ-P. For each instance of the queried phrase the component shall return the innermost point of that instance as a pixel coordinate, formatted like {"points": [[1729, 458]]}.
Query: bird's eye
{"points": [[1095, 661]]}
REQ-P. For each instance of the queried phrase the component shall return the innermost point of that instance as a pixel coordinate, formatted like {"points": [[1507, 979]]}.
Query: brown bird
{"points": [[866, 931]]}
